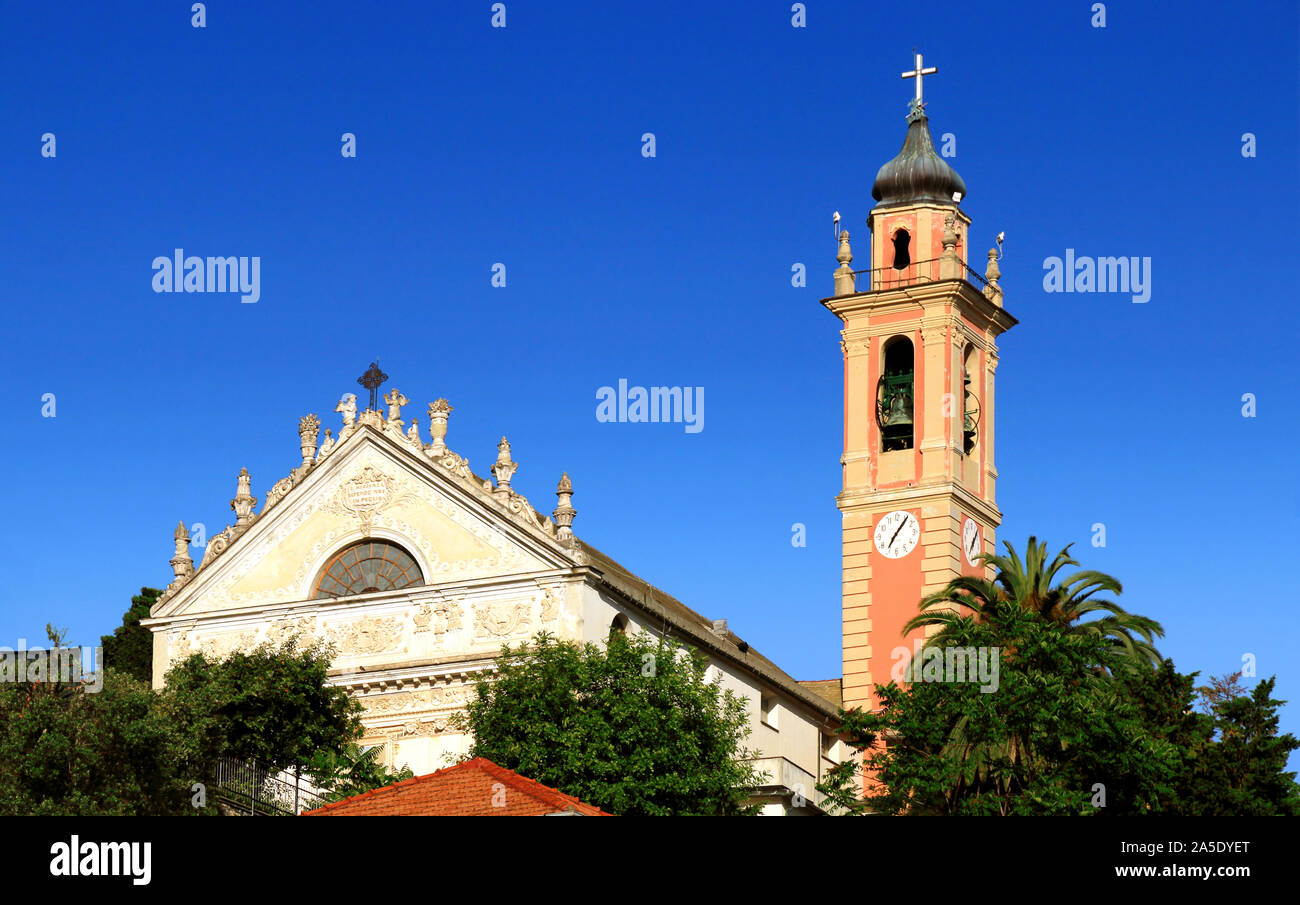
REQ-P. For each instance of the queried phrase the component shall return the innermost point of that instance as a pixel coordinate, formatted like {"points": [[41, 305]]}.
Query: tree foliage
{"points": [[1035, 585], [1086, 717], [351, 772], [69, 752], [130, 648], [271, 704], [129, 750], [1242, 770], [633, 728], [1041, 743]]}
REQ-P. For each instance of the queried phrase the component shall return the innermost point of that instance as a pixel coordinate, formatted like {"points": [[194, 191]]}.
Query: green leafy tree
{"points": [[1037, 745], [633, 728], [1163, 698], [126, 749], [272, 704], [67, 750], [1242, 772], [351, 772], [130, 648]]}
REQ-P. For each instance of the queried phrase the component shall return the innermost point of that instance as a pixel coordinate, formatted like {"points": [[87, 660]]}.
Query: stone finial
{"points": [[950, 266], [348, 407], [244, 500], [413, 433], [181, 563], [308, 431], [950, 233], [844, 282], [504, 468], [993, 292], [395, 402], [439, 410], [564, 511]]}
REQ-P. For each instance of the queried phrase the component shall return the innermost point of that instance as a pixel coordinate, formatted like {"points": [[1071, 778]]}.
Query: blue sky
{"points": [[522, 145]]}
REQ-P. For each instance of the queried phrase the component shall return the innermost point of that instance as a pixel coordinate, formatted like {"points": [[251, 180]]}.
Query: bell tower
{"points": [[919, 346]]}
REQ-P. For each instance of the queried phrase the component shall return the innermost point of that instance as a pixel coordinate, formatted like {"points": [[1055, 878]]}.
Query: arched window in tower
{"points": [[894, 395], [970, 422], [365, 567], [902, 249]]}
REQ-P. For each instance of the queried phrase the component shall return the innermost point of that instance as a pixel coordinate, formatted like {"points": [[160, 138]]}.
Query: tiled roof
{"points": [[661, 604], [476, 788], [830, 689]]}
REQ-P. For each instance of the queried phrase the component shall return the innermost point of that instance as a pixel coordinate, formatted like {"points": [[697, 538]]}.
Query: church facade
{"points": [[418, 570]]}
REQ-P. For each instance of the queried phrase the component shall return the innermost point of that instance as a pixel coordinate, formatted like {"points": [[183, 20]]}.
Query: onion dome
{"points": [[918, 173]]}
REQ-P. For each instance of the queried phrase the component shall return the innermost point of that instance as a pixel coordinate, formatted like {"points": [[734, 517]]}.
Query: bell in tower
{"points": [[919, 347]]}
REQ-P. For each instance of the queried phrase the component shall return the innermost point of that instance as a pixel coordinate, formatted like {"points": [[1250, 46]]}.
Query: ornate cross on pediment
{"points": [[372, 380]]}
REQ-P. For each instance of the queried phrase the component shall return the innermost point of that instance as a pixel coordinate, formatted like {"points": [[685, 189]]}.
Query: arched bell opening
{"points": [[895, 397], [902, 249], [970, 422]]}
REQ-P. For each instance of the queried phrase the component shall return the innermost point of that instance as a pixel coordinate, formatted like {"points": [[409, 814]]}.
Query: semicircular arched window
{"points": [[365, 567]]}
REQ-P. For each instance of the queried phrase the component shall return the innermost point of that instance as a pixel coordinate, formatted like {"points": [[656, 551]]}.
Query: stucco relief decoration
{"points": [[282, 630], [223, 645], [423, 616], [501, 620], [370, 635], [412, 728], [366, 494], [430, 698], [217, 545], [179, 645], [277, 492], [550, 605], [252, 558], [441, 617]]}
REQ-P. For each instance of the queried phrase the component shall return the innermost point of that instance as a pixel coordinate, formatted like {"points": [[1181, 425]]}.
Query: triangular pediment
{"points": [[371, 486]]}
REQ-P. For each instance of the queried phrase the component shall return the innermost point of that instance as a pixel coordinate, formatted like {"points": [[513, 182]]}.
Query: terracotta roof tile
{"points": [[476, 788]]}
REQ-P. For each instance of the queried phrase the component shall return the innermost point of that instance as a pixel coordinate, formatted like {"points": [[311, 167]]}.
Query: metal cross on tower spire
{"points": [[917, 73]]}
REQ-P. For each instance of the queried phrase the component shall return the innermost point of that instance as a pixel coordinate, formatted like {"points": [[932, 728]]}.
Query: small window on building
{"points": [[902, 251], [618, 627], [894, 396], [769, 711], [828, 746]]}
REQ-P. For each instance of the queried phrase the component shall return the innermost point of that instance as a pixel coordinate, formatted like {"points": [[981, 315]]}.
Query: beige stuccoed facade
{"points": [[492, 571]]}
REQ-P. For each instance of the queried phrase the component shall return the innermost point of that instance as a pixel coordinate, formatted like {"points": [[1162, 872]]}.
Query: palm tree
{"points": [[1032, 584], [352, 771], [1036, 587]]}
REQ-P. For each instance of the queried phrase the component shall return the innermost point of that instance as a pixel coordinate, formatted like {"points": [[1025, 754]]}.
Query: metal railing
{"points": [[254, 790], [881, 278]]}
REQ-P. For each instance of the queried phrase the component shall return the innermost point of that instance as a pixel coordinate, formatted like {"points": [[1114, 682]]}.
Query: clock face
{"points": [[897, 534], [970, 540]]}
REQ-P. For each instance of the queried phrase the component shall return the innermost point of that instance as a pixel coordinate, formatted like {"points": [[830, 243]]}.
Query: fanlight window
{"points": [[368, 566]]}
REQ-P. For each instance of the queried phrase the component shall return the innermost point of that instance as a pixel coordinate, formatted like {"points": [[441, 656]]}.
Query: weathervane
{"points": [[372, 380]]}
